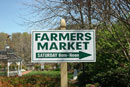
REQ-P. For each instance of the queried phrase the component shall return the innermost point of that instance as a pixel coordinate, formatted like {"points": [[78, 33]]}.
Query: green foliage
{"points": [[24, 67], [48, 67], [111, 68], [37, 67], [88, 85], [45, 73], [34, 79], [3, 73], [30, 81], [117, 77], [13, 66], [48, 73]]}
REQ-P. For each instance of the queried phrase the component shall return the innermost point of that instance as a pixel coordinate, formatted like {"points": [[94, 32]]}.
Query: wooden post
{"points": [[64, 74]]}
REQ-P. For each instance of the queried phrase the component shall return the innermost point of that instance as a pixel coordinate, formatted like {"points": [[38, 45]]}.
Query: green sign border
{"points": [[55, 61]]}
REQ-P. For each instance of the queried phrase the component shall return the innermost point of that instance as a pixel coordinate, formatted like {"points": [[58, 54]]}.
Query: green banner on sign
{"points": [[79, 55]]}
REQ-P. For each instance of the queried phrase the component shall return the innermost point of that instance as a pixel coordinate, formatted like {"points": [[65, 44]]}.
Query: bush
{"points": [[119, 77], [30, 81], [37, 67]]}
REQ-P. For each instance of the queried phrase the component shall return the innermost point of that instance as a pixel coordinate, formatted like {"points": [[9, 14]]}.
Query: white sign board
{"points": [[63, 46]]}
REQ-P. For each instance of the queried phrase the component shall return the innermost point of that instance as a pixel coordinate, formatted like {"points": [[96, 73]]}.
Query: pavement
{"points": [[26, 72]]}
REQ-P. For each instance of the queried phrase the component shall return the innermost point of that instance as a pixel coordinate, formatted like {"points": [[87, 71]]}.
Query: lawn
{"points": [[48, 73]]}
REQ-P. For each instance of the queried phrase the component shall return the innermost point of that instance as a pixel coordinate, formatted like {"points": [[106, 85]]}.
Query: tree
{"points": [[3, 40], [79, 12], [112, 11], [111, 65], [49, 12], [21, 43]]}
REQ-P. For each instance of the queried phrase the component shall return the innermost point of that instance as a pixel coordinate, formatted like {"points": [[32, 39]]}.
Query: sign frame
{"points": [[56, 61]]}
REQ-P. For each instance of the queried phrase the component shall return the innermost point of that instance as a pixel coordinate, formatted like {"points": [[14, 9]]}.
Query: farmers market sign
{"points": [[63, 46]]}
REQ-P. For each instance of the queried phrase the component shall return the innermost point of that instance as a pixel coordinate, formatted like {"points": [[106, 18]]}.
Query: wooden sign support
{"points": [[64, 74]]}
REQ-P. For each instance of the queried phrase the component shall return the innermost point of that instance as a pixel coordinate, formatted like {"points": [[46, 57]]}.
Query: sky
{"points": [[11, 12]]}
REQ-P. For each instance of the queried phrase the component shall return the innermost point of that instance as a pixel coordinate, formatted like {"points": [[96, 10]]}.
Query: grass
{"points": [[48, 73]]}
